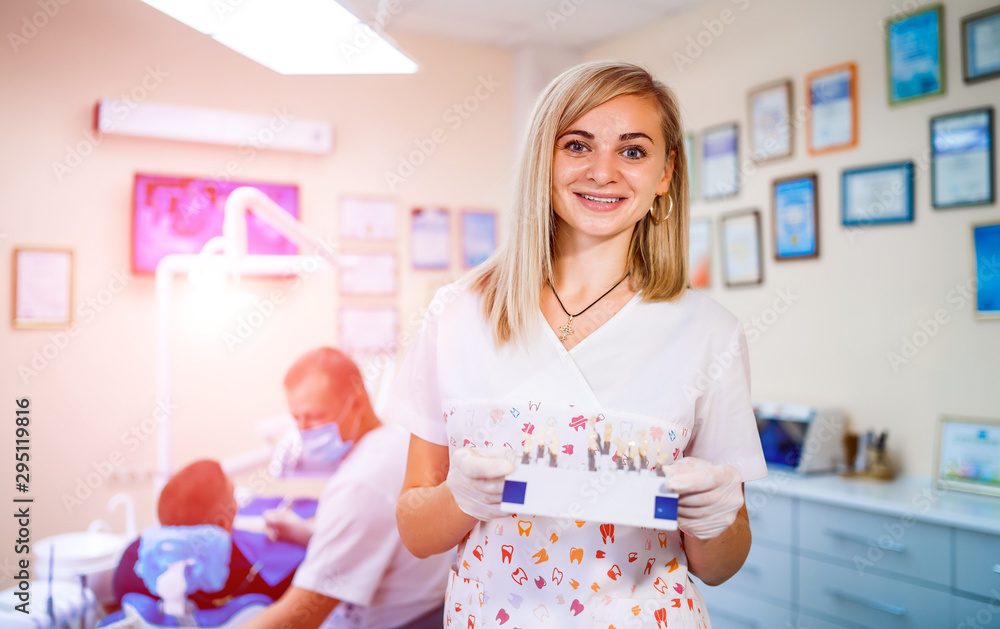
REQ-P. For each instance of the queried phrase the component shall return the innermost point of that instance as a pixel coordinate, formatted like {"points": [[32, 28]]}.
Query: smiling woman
{"points": [[598, 235], [607, 170]]}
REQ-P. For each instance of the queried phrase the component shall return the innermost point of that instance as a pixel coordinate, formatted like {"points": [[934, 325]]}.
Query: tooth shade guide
{"points": [[637, 499]]}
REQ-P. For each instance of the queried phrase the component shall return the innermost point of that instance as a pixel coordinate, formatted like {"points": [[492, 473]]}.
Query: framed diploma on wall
{"points": [[689, 152], [367, 218], [981, 45], [962, 159], [374, 274], [42, 288], [873, 195], [700, 253], [366, 332], [968, 455], [719, 162], [742, 264], [986, 251], [430, 238], [479, 236], [832, 109], [771, 130], [915, 55], [796, 217]]}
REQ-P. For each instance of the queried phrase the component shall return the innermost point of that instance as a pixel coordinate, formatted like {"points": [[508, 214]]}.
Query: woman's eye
{"points": [[634, 152], [575, 146]]}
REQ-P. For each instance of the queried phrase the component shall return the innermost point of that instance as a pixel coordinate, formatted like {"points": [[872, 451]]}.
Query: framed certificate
{"points": [[430, 238], [43, 288], [832, 109], [369, 331], [719, 162], [986, 251], [968, 455], [771, 131], [742, 264], [981, 45], [700, 253], [374, 274], [690, 154], [479, 237], [367, 218], [915, 55], [796, 218], [877, 194], [962, 159]]}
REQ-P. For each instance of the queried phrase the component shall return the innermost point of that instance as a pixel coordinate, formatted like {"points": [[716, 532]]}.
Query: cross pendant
{"points": [[566, 329]]}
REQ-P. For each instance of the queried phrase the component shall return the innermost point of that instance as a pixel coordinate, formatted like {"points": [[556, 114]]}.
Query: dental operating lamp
{"points": [[227, 255]]}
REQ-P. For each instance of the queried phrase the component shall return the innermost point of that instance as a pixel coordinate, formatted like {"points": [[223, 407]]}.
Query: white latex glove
{"points": [[476, 481], [710, 495], [286, 525]]}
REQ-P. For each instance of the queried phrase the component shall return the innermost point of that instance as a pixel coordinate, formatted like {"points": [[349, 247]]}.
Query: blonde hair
{"points": [[512, 279]]}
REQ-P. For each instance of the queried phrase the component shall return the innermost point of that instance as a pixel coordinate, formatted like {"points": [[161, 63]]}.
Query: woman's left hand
{"points": [[710, 495]]}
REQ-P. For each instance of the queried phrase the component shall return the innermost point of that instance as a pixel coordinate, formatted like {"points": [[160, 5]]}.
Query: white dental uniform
{"points": [[677, 370], [355, 554]]}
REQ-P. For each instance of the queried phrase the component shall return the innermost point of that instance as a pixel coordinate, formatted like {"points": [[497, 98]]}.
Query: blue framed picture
{"points": [[878, 194], [719, 162], [981, 45], [915, 55], [796, 218], [986, 248], [479, 237], [962, 158]]}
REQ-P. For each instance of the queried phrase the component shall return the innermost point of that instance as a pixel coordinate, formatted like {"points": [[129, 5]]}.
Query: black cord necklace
{"points": [[567, 329]]}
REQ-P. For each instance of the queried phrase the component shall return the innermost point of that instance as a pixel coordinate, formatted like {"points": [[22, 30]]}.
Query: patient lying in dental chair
{"points": [[200, 494]]}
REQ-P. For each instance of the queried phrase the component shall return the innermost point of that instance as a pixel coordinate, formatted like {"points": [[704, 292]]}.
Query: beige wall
{"points": [[855, 304], [91, 395]]}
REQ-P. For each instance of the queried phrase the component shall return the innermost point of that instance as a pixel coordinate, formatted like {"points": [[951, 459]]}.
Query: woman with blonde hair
{"points": [[582, 324]]}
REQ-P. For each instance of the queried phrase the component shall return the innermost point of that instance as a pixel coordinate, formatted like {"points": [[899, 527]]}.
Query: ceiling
{"points": [[571, 24]]}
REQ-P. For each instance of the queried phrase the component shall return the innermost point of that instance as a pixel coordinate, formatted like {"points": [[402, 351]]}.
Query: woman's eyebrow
{"points": [[586, 134], [632, 136], [625, 137]]}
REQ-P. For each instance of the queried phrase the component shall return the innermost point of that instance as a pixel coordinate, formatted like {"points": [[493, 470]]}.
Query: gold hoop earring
{"points": [[669, 212]]}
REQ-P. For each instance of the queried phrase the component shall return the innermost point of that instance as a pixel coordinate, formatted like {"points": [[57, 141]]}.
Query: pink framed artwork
{"points": [[179, 214]]}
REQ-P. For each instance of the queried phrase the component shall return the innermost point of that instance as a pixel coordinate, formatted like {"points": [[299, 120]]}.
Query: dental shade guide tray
{"points": [[620, 489]]}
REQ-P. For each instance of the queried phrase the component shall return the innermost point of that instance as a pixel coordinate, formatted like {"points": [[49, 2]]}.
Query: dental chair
{"points": [[174, 562]]}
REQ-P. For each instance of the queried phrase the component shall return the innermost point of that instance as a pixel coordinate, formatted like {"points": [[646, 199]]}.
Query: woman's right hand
{"points": [[476, 479]]}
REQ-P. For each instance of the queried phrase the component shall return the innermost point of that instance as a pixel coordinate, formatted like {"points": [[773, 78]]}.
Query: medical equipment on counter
{"points": [[623, 485], [73, 606], [805, 438]]}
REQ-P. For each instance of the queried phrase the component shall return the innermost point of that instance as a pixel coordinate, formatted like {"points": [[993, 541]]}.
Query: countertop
{"points": [[906, 496]]}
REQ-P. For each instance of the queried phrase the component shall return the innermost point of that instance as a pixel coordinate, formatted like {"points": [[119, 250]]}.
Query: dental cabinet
{"points": [[833, 553]]}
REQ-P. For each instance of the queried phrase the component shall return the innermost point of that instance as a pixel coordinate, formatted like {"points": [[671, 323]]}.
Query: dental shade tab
{"points": [[622, 483]]}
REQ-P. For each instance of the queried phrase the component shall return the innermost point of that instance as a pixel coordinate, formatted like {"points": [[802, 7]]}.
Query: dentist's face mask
{"points": [[318, 450], [323, 448]]}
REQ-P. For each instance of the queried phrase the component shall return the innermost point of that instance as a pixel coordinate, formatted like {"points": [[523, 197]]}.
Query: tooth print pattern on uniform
{"points": [[684, 382]]}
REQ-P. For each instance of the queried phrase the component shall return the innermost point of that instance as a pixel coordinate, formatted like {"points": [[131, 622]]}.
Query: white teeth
{"points": [[590, 198]]}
